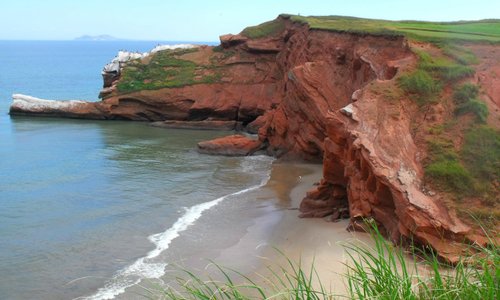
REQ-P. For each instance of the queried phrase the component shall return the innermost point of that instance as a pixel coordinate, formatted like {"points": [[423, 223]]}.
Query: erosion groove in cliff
{"points": [[321, 72]]}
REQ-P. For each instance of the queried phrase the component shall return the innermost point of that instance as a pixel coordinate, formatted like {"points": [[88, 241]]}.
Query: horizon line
{"points": [[104, 41]]}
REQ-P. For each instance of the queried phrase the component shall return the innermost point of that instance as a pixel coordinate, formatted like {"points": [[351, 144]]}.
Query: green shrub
{"points": [[465, 92], [474, 106], [481, 153], [461, 55], [447, 70], [471, 170], [441, 149], [218, 48], [423, 57], [465, 98], [444, 168], [420, 85], [450, 175], [455, 72]]}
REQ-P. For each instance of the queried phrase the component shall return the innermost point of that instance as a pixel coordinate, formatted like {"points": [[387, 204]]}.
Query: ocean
{"points": [[89, 208]]}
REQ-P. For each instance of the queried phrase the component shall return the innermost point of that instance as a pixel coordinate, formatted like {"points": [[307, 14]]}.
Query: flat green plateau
{"points": [[467, 31]]}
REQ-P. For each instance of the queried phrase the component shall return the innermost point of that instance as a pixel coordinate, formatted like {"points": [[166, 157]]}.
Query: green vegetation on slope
{"points": [[484, 30], [476, 107], [164, 70], [459, 54], [472, 170], [465, 92], [445, 169], [466, 101], [481, 155], [421, 86], [425, 84], [446, 69], [467, 169]]}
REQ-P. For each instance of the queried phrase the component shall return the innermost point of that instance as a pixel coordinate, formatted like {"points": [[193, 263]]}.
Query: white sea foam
{"points": [[145, 267], [251, 164]]}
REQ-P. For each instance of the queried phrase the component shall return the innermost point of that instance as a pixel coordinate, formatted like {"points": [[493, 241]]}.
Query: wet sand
{"points": [[311, 242], [244, 234]]}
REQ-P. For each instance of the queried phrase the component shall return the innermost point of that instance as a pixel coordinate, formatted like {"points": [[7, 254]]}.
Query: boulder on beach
{"points": [[233, 145]]}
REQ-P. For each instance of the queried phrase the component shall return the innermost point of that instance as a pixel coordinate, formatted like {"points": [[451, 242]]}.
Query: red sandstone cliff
{"points": [[315, 95]]}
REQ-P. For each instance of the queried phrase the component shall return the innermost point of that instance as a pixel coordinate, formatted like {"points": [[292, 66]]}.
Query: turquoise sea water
{"points": [[92, 205]]}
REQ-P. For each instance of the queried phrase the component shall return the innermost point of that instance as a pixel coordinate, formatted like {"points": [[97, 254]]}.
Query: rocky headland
{"points": [[337, 96]]}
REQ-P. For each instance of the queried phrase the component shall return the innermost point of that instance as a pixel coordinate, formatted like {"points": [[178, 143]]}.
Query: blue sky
{"points": [[191, 20]]}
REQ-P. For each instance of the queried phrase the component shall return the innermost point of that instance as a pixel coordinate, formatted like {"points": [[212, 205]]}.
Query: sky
{"points": [[190, 20]]}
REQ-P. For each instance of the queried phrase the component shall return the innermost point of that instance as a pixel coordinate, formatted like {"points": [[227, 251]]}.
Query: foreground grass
{"points": [[381, 272], [384, 273]]}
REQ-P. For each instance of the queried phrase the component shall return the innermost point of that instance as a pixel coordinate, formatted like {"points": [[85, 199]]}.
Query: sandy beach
{"points": [[310, 241], [262, 222]]}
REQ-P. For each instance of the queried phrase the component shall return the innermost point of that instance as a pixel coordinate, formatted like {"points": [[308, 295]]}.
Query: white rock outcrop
{"points": [[32, 104]]}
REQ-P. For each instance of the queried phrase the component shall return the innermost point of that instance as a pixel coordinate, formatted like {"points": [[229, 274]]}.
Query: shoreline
{"points": [[248, 243], [310, 241]]}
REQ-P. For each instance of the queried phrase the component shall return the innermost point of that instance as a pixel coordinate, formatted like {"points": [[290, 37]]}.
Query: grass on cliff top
{"points": [[165, 69], [384, 271], [265, 29], [471, 31]]}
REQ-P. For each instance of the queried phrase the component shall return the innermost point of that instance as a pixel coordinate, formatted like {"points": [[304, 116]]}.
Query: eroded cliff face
{"points": [[243, 89], [321, 73], [312, 95], [371, 165]]}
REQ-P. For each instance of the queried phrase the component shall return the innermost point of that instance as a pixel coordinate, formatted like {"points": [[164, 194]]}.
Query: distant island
{"points": [[102, 37]]}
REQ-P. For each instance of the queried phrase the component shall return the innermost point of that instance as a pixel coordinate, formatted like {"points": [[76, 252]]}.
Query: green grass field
{"points": [[471, 31]]}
